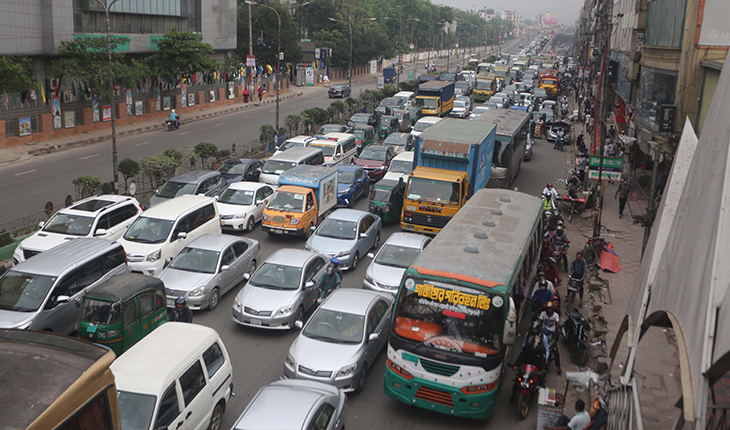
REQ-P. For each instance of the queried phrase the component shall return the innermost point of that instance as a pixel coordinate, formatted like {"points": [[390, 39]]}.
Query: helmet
{"points": [[549, 306], [543, 283], [180, 301], [560, 223], [541, 274], [560, 228], [550, 185], [535, 343], [536, 326], [335, 262], [550, 260], [173, 111]]}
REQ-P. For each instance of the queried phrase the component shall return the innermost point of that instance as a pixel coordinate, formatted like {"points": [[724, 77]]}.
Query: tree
{"points": [[86, 186], [265, 31], [267, 132], [204, 151], [128, 168], [389, 90], [292, 123], [16, 74], [157, 168], [181, 53]]}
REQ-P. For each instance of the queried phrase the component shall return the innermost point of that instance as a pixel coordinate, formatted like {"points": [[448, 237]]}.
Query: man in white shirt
{"points": [[550, 323], [580, 421], [549, 190]]}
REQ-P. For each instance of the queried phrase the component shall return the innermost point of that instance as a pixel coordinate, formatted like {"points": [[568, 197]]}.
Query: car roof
{"points": [[291, 257], [54, 261], [409, 240], [300, 138], [433, 119], [406, 135], [195, 176], [404, 93], [340, 137], [378, 147], [174, 345], [246, 185], [213, 242], [348, 167], [351, 300], [239, 161], [295, 154], [347, 214], [404, 156], [171, 209], [96, 204]]}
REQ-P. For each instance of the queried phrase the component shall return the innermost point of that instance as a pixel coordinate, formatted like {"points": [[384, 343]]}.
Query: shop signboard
{"points": [[612, 167]]}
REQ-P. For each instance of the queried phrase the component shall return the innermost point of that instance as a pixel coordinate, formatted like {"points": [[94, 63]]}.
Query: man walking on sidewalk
{"points": [[623, 196], [578, 270]]}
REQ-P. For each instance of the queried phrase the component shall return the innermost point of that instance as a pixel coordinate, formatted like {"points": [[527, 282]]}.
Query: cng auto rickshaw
{"points": [[416, 114], [386, 199], [121, 311], [388, 124], [365, 135]]}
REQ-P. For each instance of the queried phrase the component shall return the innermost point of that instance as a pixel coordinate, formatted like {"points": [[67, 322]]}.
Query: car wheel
{"points": [[250, 224], [216, 418], [252, 268], [215, 298], [377, 241], [363, 377], [309, 232], [355, 260]]}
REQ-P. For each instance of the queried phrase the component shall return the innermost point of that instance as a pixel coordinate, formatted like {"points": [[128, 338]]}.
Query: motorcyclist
{"points": [[542, 295], [546, 251], [182, 312], [579, 270], [175, 118], [580, 143], [551, 191], [535, 351], [559, 139], [551, 271], [331, 280], [550, 324], [543, 277], [560, 240]]}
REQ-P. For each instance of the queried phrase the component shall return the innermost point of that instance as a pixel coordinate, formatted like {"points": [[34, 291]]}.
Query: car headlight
{"points": [[294, 221], [240, 216], [289, 360], [197, 292], [368, 278], [155, 255], [24, 326], [347, 370], [285, 310], [343, 254], [267, 217], [19, 248], [307, 247], [237, 304]]}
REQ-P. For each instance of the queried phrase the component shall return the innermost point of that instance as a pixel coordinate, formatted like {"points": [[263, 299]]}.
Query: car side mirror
{"points": [[182, 235], [363, 235], [371, 255], [168, 260], [100, 232], [298, 324], [41, 224], [215, 198], [373, 336], [259, 202], [312, 229], [225, 267], [202, 194], [62, 299], [247, 276], [309, 284]]}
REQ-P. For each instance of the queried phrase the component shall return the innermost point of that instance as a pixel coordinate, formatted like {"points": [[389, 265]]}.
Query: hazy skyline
{"points": [[567, 11]]}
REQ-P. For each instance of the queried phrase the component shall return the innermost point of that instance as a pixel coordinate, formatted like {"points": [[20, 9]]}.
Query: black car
{"points": [[339, 91], [362, 118], [240, 169]]}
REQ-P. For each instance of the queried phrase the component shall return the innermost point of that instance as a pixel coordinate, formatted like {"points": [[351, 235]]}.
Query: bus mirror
{"points": [[510, 326]]}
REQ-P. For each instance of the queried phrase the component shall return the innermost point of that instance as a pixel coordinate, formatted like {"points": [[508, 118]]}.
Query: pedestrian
{"points": [[261, 92], [580, 420], [588, 121], [622, 193], [582, 167], [612, 132], [578, 270], [609, 150], [246, 94]]}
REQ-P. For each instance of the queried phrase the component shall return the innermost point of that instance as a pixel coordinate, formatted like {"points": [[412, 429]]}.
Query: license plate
{"points": [[277, 231], [255, 322], [170, 302]]}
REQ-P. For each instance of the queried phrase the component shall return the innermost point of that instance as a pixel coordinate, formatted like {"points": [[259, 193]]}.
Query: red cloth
{"points": [[609, 262]]}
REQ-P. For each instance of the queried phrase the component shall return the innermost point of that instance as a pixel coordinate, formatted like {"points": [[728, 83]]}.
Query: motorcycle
{"points": [[575, 332], [172, 125], [559, 142], [525, 388]]}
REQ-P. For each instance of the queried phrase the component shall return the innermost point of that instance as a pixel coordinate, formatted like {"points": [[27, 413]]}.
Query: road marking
{"points": [[89, 156], [143, 143], [219, 124], [25, 173], [184, 133]]}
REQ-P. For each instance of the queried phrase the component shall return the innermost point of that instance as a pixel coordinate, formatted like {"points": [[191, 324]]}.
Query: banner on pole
{"points": [[612, 167]]}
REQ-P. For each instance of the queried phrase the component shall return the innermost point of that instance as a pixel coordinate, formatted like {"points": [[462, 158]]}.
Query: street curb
{"points": [[90, 141]]}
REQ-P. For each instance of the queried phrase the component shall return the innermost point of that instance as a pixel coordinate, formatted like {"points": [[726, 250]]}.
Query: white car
{"points": [[242, 205], [400, 166], [105, 216], [459, 110], [478, 111], [424, 123], [385, 272], [294, 142]]}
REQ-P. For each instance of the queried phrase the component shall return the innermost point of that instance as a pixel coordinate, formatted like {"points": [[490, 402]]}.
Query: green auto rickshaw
{"points": [[388, 124], [122, 310], [386, 199], [365, 135], [416, 114]]}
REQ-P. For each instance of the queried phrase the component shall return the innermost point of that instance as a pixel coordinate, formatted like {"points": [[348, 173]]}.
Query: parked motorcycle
{"points": [[575, 331], [172, 125], [525, 388]]}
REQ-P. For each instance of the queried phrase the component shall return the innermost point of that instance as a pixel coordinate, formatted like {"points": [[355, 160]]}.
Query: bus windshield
{"points": [[431, 190], [450, 318]]}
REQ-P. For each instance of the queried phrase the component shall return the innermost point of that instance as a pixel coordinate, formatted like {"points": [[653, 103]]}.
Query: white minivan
{"points": [[424, 123], [178, 377], [161, 232], [338, 148]]}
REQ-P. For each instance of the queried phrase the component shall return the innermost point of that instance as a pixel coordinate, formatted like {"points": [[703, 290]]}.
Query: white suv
{"points": [[104, 216]]}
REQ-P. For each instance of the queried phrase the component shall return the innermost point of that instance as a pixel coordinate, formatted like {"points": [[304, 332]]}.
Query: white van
{"points": [[178, 377], [401, 166], [294, 142], [406, 96], [283, 161], [424, 123], [162, 231], [338, 148]]}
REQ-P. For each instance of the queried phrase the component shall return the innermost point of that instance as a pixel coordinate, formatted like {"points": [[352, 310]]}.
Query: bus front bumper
{"points": [[439, 398]]}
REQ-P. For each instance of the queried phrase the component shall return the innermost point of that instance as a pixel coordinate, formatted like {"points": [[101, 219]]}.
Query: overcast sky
{"points": [[566, 10]]}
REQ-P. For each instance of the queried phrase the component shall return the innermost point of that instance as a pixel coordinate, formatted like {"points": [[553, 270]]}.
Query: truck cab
{"points": [[435, 98], [433, 196], [290, 211]]}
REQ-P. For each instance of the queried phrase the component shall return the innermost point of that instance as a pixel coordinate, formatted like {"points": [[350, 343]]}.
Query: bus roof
{"points": [[514, 216], [452, 130], [508, 122]]}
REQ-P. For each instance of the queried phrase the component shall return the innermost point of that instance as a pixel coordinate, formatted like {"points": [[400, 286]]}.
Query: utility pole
{"points": [[397, 68], [115, 169], [250, 48], [349, 23]]}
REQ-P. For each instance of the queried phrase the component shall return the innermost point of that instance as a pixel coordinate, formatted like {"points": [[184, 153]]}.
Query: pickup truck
{"points": [[389, 75], [435, 98], [305, 196]]}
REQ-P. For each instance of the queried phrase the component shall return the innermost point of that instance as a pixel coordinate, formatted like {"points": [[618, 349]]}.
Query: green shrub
{"points": [[205, 151], [86, 186]]}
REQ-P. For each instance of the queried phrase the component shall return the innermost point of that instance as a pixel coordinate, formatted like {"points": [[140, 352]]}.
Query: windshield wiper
{"points": [[140, 240]]}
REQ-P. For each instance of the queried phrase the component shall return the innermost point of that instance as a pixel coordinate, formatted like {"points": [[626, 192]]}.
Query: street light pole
{"points": [[115, 169], [397, 70], [349, 71]]}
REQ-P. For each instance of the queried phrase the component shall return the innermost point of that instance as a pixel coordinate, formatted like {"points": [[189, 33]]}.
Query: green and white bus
{"points": [[455, 319]]}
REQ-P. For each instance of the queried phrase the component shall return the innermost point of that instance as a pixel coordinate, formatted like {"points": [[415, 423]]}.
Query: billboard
{"points": [[549, 19], [715, 30]]}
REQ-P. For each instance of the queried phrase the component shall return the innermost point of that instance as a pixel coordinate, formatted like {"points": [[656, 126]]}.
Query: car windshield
{"points": [[450, 318], [459, 104], [232, 168], [359, 133], [287, 202], [427, 103], [373, 154], [360, 117], [337, 229], [338, 87], [196, 260], [389, 102], [174, 189], [401, 166], [327, 150], [549, 82], [237, 197], [69, 224], [135, 409], [480, 110], [447, 77], [329, 129], [276, 167], [345, 177], [397, 256], [422, 125], [462, 85], [335, 327], [277, 277], [149, 230], [397, 139], [23, 292], [290, 144], [432, 190], [380, 195], [484, 85], [100, 312]]}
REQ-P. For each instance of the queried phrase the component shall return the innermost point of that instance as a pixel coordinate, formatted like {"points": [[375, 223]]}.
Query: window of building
{"points": [[656, 89]]}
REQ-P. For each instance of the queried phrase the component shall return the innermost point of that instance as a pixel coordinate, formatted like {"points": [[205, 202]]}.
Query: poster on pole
{"points": [[56, 111], [184, 94], [612, 167], [95, 108], [138, 108], [309, 74], [374, 67], [231, 90], [250, 61], [158, 98], [130, 104], [106, 113]]}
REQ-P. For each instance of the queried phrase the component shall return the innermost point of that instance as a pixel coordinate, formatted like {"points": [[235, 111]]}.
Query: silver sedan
{"points": [[346, 234], [342, 339], [390, 263], [207, 268]]}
